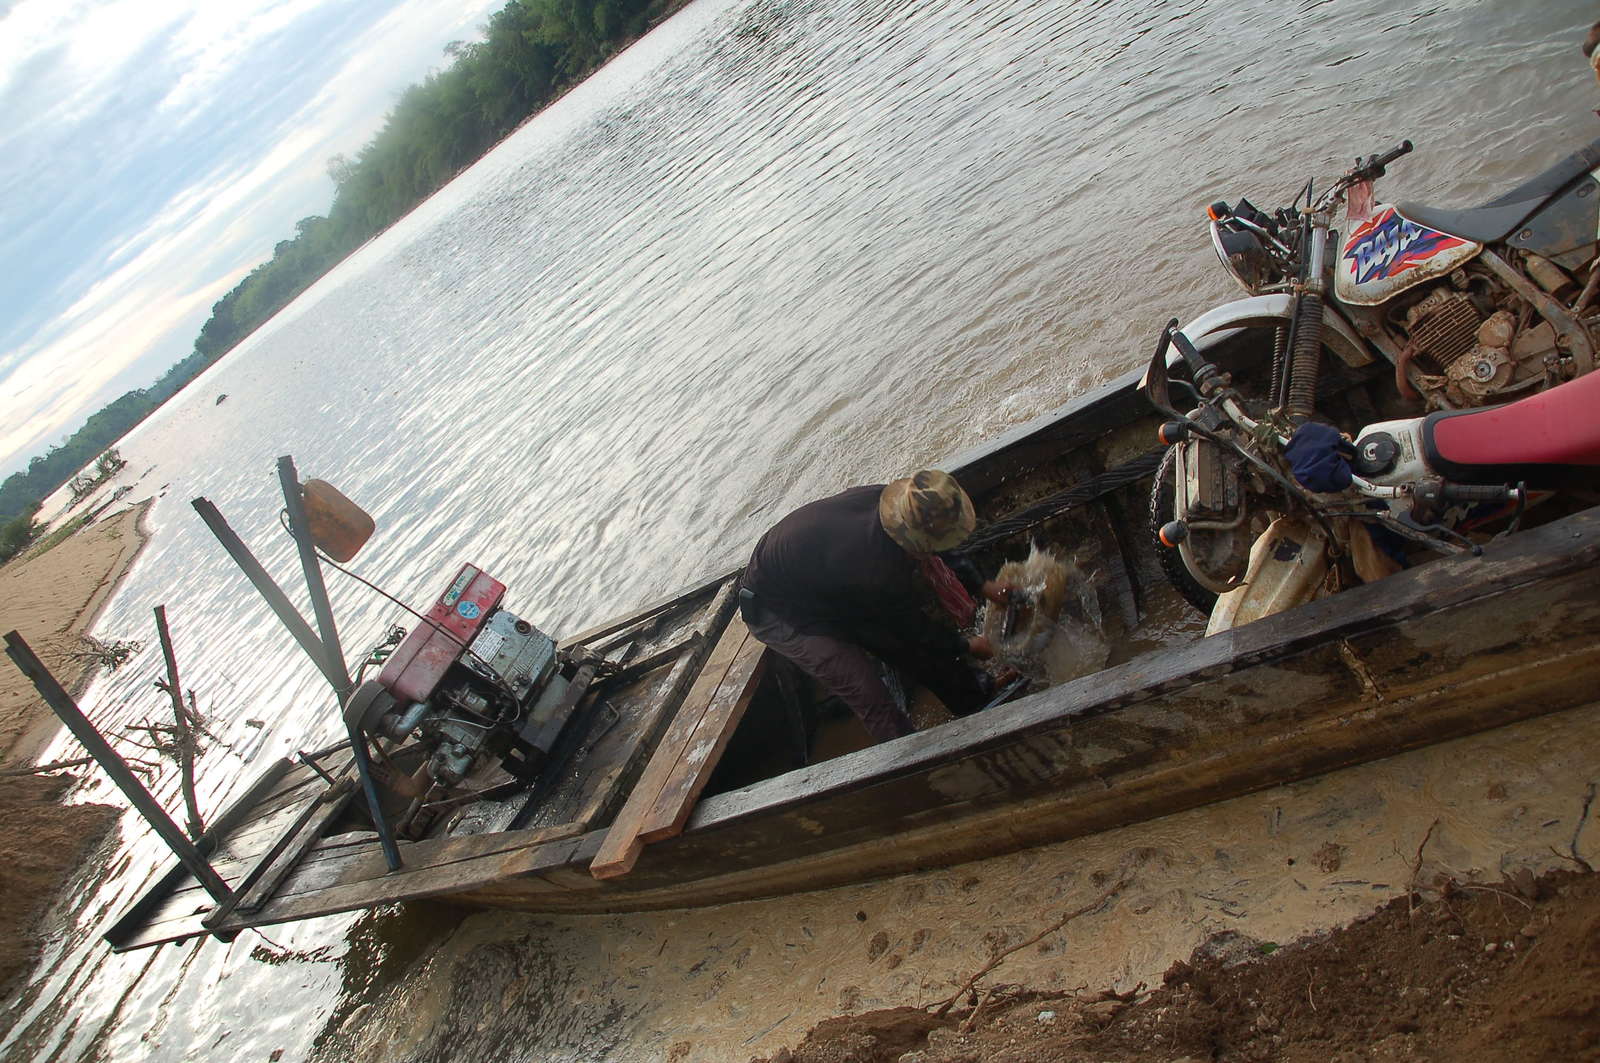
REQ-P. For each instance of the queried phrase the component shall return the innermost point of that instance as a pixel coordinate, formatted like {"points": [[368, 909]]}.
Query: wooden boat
{"points": [[704, 772]]}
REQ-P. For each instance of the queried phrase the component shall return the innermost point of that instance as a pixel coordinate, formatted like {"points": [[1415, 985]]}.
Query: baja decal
{"points": [[469, 610], [1387, 245]]}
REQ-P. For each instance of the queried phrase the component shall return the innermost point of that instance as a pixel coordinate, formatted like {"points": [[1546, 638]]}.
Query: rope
{"points": [[1060, 502]]}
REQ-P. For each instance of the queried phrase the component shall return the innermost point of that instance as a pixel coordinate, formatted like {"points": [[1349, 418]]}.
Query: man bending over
{"points": [[857, 574]]}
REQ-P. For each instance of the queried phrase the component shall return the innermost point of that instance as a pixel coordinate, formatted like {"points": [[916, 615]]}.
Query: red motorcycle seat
{"points": [[1546, 440]]}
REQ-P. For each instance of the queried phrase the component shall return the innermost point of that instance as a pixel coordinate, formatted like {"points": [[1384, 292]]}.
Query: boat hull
{"points": [[1441, 651]]}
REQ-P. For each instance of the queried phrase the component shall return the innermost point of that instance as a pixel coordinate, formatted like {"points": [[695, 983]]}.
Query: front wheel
{"points": [[1162, 495]]}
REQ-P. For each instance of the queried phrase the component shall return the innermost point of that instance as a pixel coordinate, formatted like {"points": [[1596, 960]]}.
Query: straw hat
{"points": [[926, 512]]}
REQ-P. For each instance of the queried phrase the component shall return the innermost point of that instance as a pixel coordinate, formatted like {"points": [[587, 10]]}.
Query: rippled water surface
{"points": [[779, 247]]}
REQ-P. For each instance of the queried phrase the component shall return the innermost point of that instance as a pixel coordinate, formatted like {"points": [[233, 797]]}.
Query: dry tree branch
{"points": [[1496, 892], [1416, 870], [1583, 817], [944, 1006], [971, 1021]]}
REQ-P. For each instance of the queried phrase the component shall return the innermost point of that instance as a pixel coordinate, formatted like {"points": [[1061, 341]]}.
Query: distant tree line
{"points": [[532, 51]]}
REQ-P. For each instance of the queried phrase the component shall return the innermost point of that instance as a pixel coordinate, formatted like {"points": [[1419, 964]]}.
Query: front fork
{"points": [[1303, 367]]}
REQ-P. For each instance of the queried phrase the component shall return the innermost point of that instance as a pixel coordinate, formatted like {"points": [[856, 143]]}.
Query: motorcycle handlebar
{"points": [[1373, 168]]}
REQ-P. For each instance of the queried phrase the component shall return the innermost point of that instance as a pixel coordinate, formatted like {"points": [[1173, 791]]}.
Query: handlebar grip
{"points": [[1373, 168], [1387, 157], [1478, 493]]}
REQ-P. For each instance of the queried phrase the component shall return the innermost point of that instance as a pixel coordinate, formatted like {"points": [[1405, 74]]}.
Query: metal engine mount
{"points": [[472, 681]]}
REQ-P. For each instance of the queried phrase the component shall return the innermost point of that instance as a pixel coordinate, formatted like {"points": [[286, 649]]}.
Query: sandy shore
{"points": [[51, 599]]}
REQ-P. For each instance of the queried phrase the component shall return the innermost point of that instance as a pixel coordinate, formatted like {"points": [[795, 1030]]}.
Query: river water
{"points": [[776, 248]]}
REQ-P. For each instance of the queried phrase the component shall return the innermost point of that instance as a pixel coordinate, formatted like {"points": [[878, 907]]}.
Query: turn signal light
{"points": [[1172, 533]]}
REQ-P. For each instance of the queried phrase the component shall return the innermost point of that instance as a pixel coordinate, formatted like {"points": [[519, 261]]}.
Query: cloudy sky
{"points": [[154, 151]]}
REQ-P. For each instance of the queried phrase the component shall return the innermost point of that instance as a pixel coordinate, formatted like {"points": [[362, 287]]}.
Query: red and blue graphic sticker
{"points": [[1387, 245]]}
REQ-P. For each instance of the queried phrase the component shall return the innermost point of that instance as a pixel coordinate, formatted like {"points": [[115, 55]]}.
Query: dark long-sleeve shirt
{"points": [[829, 568]]}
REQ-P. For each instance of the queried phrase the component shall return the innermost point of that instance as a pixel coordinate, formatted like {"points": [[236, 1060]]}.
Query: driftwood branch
{"points": [[1583, 818], [43, 769], [943, 1007], [185, 734]]}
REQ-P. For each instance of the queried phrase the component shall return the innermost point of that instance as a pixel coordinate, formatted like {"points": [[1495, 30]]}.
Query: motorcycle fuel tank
{"points": [[1388, 253]]}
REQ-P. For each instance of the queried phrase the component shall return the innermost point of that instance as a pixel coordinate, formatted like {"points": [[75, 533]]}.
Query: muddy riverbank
{"points": [[1502, 972]]}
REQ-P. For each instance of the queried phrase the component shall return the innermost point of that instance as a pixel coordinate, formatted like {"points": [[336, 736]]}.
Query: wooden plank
{"points": [[605, 785], [248, 842], [127, 924], [646, 612], [364, 863], [292, 791], [362, 887], [650, 662], [1079, 422], [706, 746], [283, 857], [622, 845], [615, 757], [190, 926], [255, 880]]}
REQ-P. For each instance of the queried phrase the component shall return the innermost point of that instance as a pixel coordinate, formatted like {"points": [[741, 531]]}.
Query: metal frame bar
{"points": [[300, 529], [93, 741], [330, 664]]}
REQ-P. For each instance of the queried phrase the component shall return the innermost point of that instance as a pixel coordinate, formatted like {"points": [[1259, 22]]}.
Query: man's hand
{"points": [[980, 647]]}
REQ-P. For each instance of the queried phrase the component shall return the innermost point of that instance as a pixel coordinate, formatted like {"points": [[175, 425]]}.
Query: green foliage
{"points": [[21, 492], [54, 539], [108, 655], [531, 52], [18, 533], [105, 467]]}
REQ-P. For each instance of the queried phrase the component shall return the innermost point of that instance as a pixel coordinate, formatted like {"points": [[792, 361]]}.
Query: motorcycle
{"points": [[1429, 382]]}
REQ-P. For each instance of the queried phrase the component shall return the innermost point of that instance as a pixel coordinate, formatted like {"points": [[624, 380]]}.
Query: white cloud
{"points": [[74, 371], [141, 288]]}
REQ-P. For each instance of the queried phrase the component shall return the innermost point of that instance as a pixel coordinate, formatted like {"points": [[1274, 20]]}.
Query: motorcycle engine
{"points": [[471, 682], [1472, 356]]}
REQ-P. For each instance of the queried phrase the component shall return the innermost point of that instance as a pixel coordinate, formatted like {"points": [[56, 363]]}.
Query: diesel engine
{"points": [[471, 682]]}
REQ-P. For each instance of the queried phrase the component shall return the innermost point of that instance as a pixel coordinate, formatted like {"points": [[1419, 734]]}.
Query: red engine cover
{"points": [[414, 670]]}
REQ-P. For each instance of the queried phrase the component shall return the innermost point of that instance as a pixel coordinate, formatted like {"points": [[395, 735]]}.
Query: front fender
{"points": [[1272, 311]]}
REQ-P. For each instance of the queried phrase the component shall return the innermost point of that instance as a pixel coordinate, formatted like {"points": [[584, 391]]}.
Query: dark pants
{"points": [[850, 672]]}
